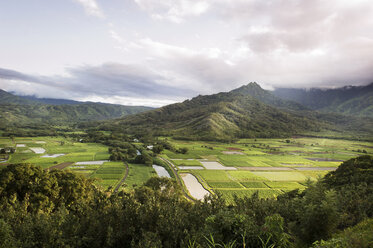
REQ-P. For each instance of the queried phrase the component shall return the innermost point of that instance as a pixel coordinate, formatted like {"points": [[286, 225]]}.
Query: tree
{"points": [[183, 150], [41, 190], [158, 148]]}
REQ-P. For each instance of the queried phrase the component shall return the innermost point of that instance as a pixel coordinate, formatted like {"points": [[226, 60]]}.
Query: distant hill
{"points": [[348, 100], [52, 101], [235, 114], [8, 98], [19, 110]]}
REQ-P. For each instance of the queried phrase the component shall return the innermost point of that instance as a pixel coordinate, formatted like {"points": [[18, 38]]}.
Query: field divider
{"points": [[203, 183], [123, 179], [268, 185], [178, 179]]}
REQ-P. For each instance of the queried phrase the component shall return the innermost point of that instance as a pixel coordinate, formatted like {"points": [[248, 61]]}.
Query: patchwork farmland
{"points": [[268, 167]]}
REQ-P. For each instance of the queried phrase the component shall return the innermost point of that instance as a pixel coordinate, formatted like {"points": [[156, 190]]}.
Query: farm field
{"points": [[88, 159], [267, 166]]}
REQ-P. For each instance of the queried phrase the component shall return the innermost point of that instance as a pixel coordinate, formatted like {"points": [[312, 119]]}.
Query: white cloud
{"points": [[130, 101], [91, 8], [219, 45], [173, 10]]}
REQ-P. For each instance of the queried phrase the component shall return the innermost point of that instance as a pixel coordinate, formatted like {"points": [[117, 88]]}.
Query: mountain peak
{"points": [[253, 89], [249, 86]]}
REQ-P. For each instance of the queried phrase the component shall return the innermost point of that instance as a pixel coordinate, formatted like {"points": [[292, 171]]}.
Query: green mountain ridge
{"points": [[8, 98], [235, 114], [20, 111]]}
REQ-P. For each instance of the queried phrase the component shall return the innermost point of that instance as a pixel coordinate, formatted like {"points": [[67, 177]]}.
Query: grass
{"points": [[314, 174], [242, 176], [257, 163], [284, 185], [255, 185], [138, 174], [281, 176], [213, 175], [185, 162], [229, 194], [109, 173], [231, 184], [253, 152], [234, 160]]}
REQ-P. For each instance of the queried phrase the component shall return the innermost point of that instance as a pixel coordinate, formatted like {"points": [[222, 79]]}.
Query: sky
{"points": [[157, 52]]}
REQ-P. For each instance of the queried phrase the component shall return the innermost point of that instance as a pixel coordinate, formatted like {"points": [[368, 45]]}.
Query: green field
{"points": [[263, 193], [231, 184], [106, 175], [185, 162], [294, 162], [281, 176], [138, 174], [269, 166]]}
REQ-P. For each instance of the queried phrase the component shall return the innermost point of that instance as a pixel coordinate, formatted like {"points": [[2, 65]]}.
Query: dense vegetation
{"points": [[348, 100], [60, 209]]}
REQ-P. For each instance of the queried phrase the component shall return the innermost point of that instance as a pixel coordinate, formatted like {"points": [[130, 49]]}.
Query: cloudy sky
{"points": [[155, 52]]}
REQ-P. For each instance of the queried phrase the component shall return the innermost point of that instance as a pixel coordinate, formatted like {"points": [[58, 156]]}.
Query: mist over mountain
{"points": [[348, 100]]}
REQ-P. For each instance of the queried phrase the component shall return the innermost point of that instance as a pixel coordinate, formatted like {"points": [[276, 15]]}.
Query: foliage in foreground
{"points": [[359, 236], [60, 209]]}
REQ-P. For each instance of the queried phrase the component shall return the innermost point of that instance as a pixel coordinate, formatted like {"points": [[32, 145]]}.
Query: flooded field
{"points": [[161, 171], [37, 150], [100, 162], [53, 155], [191, 168], [213, 165], [195, 189]]}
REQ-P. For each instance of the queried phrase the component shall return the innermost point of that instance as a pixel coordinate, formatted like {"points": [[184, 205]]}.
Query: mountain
{"points": [[264, 96], [8, 98], [21, 111], [51, 101], [348, 100], [237, 114]]}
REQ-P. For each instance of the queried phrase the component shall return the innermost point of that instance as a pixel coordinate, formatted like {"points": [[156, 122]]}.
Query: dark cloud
{"points": [[277, 43], [15, 75], [107, 80], [124, 80]]}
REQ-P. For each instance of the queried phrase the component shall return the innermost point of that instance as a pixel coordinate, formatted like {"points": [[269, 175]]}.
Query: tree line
{"points": [[61, 209]]}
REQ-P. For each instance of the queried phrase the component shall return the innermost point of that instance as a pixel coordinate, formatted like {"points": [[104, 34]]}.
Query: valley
{"points": [[186, 124], [268, 167], [212, 166]]}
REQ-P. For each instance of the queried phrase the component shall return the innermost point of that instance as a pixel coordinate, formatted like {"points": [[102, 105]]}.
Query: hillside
{"points": [[348, 100], [235, 114], [8, 98], [265, 96], [51, 101], [17, 110]]}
